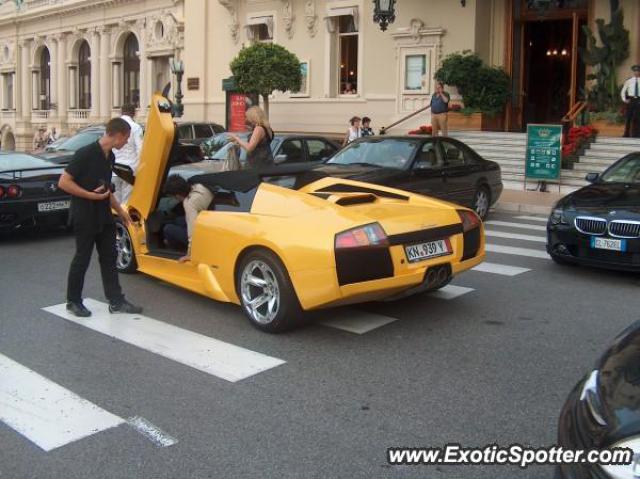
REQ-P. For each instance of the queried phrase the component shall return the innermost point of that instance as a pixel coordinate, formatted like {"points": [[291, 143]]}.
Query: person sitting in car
{"points": [[195, 198]]}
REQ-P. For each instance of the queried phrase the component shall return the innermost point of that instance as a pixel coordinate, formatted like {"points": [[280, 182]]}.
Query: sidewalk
{"points": [[532, 202]]}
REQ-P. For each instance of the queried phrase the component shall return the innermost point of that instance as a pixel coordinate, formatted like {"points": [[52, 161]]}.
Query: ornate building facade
{"points": [[71, 63]]}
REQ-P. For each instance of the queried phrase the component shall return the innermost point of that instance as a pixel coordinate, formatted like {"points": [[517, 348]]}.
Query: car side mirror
{"points": [[592, 177], [280, 159], [124, 172]]}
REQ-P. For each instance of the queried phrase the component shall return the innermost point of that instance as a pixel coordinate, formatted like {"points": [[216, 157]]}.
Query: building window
{"points": [[8, 91], [260, 29], [45, 79], [415, 69], [131, 69], [347, 55], [84, 76]]}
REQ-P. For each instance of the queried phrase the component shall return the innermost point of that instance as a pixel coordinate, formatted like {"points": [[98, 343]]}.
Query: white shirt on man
{"points": [[629, 88], [129, 154], [354, 134]]}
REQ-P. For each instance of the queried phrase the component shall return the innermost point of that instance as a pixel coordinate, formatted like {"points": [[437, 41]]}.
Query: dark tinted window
{"points": [[320, 150], [203, 131], [453, 154], [217, 128], [293, 150], [81, 139], [185, 132], [428, 158], [626, 170]]}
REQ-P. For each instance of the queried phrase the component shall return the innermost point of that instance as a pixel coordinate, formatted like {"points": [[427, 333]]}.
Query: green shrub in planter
{"points": [[484, 89]]}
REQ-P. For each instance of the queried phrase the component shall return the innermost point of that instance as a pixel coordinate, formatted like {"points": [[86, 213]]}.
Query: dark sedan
{"points": [[603, 411], [599, 225], [286, 149], [29, 193], [434, 166]]}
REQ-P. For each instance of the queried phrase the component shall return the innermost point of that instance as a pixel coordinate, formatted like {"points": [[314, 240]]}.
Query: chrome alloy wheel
{"points": [[123, 247], [482, 202], [260, 292]]}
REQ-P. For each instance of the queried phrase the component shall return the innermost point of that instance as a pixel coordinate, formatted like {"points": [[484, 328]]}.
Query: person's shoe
{"points": [[124, 307], [78, 309]]}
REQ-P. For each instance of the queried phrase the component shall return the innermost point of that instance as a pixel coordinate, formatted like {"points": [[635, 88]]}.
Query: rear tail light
{"points": [[13, 191], [1, 191], [469, 219], [362, 237]]}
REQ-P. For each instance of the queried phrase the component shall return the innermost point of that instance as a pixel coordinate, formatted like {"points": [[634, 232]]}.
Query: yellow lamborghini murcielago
{"points": [[286, 240]]}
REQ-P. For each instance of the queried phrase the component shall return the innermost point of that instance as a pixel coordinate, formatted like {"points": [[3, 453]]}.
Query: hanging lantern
{"points": [[384, 12]]}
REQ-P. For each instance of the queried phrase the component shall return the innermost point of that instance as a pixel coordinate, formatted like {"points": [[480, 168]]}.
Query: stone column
{"points": [[105, 77], [24, 81], [95, 75], [145, 90], [3, 91], [73, 87], [35, 89], [14, 97], [61, 74], [116, 79]]}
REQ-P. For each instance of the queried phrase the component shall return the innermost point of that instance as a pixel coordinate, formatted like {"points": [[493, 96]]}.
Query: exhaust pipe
{"points": [[432, 278], [443, 275]]}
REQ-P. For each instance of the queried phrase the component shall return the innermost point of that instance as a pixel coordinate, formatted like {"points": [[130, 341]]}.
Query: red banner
{"points": [[238, 110]]}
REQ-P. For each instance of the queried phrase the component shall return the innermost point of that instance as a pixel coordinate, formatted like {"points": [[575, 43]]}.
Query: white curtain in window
{"points": [[253, 21], [331, 19]]}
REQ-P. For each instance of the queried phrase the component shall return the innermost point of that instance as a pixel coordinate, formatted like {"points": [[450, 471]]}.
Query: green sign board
{"points": [[544, 152]]}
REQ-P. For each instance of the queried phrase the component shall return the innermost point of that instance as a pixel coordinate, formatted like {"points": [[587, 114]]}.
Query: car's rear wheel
{"points": [[482, 202], [266, 294], [126, 259]]}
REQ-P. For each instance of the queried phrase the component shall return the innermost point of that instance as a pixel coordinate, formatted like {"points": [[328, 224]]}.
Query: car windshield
{"points": [[388, 153], [220, 145], [78, 141], [626, 170], [16, 161]]}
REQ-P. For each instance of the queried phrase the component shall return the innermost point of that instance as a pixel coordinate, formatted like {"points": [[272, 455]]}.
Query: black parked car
{"points": [[63, 153], [434, 166], [195, 133], [599, 225], [603, 410], [29, 193], [286, 149]]}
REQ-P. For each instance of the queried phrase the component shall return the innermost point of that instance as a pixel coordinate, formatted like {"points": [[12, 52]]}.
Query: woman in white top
{"points": [[354, 130]]}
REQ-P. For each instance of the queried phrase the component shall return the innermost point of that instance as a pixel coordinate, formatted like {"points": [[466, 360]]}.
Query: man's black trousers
{"points": [[105, 242], [632, 124]]}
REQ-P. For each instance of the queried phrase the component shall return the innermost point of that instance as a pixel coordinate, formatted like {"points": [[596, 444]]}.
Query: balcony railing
{"points": [[40, 115], [79, 115]]}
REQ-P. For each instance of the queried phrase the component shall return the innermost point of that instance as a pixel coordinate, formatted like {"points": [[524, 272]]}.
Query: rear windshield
{"points": [[17, 161], [78, 141]]}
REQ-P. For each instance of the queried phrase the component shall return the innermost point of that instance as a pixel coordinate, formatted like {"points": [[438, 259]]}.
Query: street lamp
{"points": [[384, 12], [177, 68]]}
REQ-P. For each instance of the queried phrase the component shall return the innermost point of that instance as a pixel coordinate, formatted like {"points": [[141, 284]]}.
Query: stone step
{"points": [[597, 161], [505, 162], [602, 155], [617, 141], [589, 167], [497, 155], [472, 141], [614, 148]]}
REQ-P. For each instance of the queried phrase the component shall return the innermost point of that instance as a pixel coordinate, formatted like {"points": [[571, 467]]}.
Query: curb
{"points": [[522, 208]]}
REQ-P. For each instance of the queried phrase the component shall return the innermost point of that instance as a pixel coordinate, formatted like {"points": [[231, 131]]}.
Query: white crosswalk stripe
{"points": [[510, 224], [450, 292], [517, 251], [354, 321], [502, 269], [44, 412], [532, 218], [209, 355], [517, 236]]}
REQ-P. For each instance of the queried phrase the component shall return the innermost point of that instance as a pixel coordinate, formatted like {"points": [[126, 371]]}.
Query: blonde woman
{"points": [[259, 146]]}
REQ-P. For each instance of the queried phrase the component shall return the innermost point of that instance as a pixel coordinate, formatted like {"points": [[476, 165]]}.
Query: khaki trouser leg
{"points": [[439, 123]]}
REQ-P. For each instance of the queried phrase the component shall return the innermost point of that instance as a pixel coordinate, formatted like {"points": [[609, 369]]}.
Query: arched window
{"points": [[84, 76], [45, 79], [131, 70]]}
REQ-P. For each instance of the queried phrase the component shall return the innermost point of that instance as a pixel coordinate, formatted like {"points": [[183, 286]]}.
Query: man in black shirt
{"points": [[88, 179]]}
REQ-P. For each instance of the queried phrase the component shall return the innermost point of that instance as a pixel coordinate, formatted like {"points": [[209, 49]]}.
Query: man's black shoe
{"points": [[78, 309], [124, 307]]}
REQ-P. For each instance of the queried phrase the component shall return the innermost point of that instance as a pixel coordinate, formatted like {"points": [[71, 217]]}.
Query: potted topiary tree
{"points": [[485, 91], [264, 68]]}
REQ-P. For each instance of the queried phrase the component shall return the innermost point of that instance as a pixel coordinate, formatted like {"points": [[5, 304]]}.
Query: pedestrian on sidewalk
{"points": [[87, 178], [354, 131], [40, 139], [129, 154], [366, 127], [631, 96], [440, 110], [52, 136], [259, 154]]}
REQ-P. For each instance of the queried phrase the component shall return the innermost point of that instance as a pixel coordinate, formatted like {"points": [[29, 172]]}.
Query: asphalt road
{"points": [[491, 365]]}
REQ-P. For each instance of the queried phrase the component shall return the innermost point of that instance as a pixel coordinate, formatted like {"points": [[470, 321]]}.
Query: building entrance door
{"points": [[547, 73]]}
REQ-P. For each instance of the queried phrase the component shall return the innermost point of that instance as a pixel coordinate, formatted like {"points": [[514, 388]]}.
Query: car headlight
{"points": [[591, 397], [625, 471], [557, 216]]}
